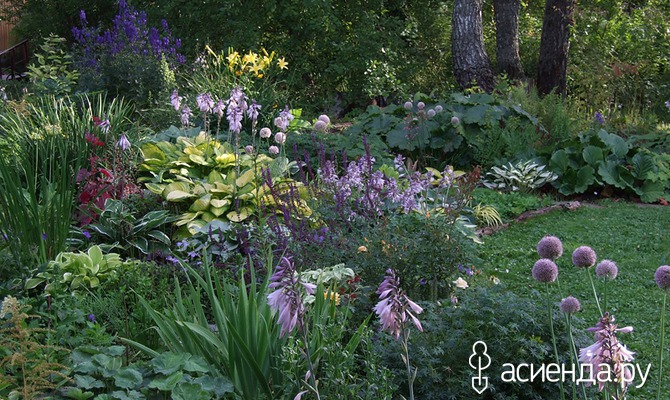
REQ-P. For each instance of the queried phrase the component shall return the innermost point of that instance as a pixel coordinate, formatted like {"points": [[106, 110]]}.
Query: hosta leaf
{"points": [[198, 159], [240, 215], [246, 177], [177, 195], [202, 203], [219, 202]]}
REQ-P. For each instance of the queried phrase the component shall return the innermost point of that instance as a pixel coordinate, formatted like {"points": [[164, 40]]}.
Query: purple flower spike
{"points": [[570, 305], [395, 308], [662, 277], [584, 257], [550, 247], [286, 300], [545, 271], [607, 269]]}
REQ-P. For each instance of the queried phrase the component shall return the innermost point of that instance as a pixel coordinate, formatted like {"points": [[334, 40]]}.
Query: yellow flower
{"points": [[328, 295], [282, 63]]}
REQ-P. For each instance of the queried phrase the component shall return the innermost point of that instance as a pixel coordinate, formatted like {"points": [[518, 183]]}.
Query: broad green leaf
{"points": [[168, 362], [246, 177], [651, 191], [155, 188], [87, 382], [190, 391], [616, 143], [177, 195], [219, 202], [559, 161], [240, 215], [95, 254], [202, 203], [78, 394], [643, 164], [198, 159], [218, 385], [127, 378], [593, 155], [166, 383]]}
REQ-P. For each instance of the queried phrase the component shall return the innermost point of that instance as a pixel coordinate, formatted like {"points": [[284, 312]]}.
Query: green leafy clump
{"points": [[523, 176], [53, 73], [102, 372], [117, 229], [437, 132], [510, 204], [215, 182], [77, 271], [601, 159], [30, 367]]}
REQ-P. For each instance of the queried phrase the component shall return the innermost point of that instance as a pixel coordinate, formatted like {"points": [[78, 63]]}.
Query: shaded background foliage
{"points": [[619, 55]]}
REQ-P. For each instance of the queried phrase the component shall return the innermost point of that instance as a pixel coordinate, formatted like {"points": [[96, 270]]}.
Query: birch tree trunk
{"points": [[471, 63]]}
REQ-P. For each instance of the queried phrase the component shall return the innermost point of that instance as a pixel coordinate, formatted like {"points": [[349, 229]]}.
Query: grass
{"points": [[632, 235]]}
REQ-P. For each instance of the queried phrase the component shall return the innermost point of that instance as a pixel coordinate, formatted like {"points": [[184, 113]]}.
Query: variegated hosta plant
{"points": [[217, 183], [524, 175]]}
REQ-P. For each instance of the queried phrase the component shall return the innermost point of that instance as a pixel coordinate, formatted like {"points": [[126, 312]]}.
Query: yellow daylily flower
{"points": [[282, 63]]}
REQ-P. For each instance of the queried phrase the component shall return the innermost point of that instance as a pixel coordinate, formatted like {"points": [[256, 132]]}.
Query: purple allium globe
{"points": [[421, 105], [455, 120], [662, 277], [430, 113], [584, 257], [408, 105], [320, 126], [550, 247], [265, 133], [607, 269], [570, 305], [545, 270], [324, 118]]}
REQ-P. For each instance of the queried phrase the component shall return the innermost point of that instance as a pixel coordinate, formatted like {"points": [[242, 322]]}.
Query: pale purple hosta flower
{"points": [[607, 269], [395, 308], [550, 247], [123, 143], [238, 99], [399, 163], [234, 116], [286, 300], [607, 350], [175, 100], [205, 102], [253, 110], [284, 119], [185, 115], [104, 125], [265, 132], [218, 109]]}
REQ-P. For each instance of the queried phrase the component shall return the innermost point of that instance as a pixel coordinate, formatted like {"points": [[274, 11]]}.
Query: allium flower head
{"points": [[280, 137], [607, 350], [438, 108], [430, 113], [273, 150], [570, 305], [550, 247], [545, 270], [320, 126], [249, 149], [584, 257], [395, 308], [662, 277], [265, 133], [455, 120], [324, 118], [607, 269], [408, 105], [421, 105]]}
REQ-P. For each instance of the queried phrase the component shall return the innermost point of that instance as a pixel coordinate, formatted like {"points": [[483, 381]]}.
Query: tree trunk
{"points": [[471, 63], [554, 45], [507, 38]]}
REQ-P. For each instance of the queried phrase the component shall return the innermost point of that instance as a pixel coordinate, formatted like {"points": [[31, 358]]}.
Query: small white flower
{"points": [[461, 283]]}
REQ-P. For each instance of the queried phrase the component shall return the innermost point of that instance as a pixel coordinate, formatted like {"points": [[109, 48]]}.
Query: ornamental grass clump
{"points": [[395, 310]]}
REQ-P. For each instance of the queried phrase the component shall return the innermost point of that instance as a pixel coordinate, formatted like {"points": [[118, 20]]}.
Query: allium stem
{"points": [[574, 356], [661, 348], [595, 293], [553, 336]]}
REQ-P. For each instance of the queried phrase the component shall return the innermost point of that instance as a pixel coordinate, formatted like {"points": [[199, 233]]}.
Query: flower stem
{"points": [[595, 293], [410, 375], [553, 338], [661, 348]]}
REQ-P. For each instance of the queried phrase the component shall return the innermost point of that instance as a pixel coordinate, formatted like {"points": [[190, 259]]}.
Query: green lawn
{"points": [[632, 235]]}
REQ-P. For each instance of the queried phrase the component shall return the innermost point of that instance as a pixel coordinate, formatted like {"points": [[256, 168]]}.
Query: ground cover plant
{"points": [[208, 226]]}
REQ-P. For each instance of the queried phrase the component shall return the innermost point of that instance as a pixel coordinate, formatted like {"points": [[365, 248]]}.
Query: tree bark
{"points": [[471, 63], [507, 38], [554, 46]]}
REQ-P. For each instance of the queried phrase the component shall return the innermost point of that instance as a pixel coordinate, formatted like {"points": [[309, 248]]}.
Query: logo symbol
{"points": [[479, 361]]}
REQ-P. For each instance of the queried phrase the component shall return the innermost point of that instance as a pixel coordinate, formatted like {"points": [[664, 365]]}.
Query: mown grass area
{"points": [[634, 236]]}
